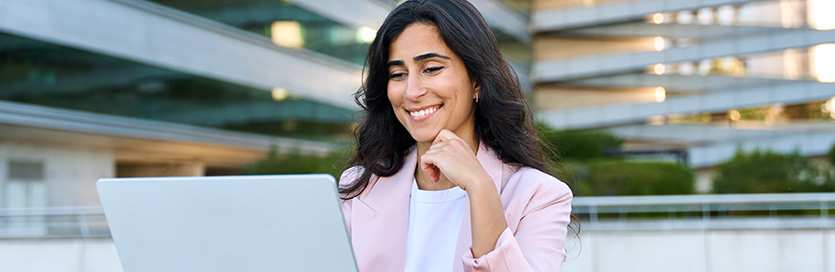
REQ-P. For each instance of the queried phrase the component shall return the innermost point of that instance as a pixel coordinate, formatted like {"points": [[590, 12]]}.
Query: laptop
{"points": [[227, 223]]}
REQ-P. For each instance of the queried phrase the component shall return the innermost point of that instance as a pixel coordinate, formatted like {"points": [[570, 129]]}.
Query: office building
{"points": [[95, 88], [693, 80]]}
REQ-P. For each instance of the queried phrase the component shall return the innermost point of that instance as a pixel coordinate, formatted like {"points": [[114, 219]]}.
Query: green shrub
{"points": [[831, 155], [582, 164], [578, 145], [771, 172], [296, 163], [617, 177]]}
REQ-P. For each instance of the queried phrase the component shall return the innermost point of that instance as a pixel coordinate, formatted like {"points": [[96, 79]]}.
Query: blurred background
{"points": [[697, 135]]}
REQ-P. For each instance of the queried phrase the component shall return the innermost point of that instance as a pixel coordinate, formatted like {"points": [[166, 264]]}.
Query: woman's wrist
{"points": [[487, 215], [478, 184]]}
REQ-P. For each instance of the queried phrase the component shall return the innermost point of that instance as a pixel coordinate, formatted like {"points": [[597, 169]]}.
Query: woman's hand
{"points": [[453, 158]]}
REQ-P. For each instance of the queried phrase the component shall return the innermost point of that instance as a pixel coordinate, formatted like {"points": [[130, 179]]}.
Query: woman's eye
{"points": [[433, 69], [397, 75]]}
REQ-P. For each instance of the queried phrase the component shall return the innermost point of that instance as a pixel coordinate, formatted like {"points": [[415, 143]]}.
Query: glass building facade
{"points": [[288, 25], [39, 73], [702, 79]]}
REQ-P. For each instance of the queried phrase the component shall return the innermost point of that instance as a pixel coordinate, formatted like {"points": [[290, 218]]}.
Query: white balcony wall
{"points": [[70, 173], [594, 251]]}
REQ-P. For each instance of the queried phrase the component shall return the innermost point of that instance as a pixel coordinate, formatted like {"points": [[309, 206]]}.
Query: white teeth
{"points": [[423, 112]]}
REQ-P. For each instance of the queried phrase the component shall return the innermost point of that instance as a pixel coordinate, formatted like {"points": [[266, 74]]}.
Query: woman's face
{"points": [[429, 87]]}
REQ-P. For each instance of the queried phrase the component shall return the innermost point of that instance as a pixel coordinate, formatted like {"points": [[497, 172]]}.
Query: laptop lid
{"points": [[227, 223]]}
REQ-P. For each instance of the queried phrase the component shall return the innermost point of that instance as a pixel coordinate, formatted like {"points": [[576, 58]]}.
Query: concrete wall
{"points": [[59, 255], [702, 251], [70, 172]]}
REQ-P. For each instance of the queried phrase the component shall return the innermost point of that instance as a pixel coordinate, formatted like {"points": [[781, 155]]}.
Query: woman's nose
{"points": [[415, 88]]}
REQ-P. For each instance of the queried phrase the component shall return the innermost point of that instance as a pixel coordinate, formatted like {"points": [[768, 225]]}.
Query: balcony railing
{"points": [[639, 213], [53, 222], [705, 212]]}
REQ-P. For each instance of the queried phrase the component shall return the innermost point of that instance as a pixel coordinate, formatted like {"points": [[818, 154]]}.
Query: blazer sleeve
{"points": [[539, 240], [347, 177]]}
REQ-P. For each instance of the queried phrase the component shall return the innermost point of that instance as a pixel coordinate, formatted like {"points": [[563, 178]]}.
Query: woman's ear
{"points": [[476, 88]]}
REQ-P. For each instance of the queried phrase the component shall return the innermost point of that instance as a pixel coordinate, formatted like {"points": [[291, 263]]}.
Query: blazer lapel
{"points": [[381, 220]]}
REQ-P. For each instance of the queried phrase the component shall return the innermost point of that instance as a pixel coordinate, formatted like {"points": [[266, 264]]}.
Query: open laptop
{"points": [[227, 223]]}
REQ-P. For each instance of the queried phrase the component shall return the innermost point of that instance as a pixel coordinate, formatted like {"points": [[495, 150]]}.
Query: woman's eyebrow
{"points": [[429, 55], [395, 63], [418, 58]]}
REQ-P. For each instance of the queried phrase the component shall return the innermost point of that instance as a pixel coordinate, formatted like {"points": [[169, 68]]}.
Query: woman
{"points": [[448, 174]]}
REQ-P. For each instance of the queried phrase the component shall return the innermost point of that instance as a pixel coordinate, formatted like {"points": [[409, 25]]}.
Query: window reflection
{"points": [[285, 24], [822, 62], [782, 13], [763, 116], [820, 14], [814, 63]]}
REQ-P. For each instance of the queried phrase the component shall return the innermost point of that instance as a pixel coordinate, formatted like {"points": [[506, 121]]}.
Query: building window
{"points": [[24, 188]]}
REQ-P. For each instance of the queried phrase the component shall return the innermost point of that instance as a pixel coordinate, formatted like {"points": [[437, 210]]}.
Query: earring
{"points": [[476, 97]]}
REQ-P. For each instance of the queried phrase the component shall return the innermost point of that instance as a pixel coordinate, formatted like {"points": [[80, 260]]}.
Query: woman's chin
{"points": [[425, 136]]}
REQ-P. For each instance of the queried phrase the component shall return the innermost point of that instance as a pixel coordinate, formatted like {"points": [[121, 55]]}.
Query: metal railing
{"points": [[53, 222], [651, 213], [699, 212]]}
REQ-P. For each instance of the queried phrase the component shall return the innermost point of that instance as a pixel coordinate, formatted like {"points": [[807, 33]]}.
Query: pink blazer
{"points": [[537, 207]]}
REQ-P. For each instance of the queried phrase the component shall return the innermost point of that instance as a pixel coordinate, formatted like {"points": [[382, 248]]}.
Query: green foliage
{"points": [[586, 169], [578, 145], [617, 177], [771, 172], [831, 155], [296, 163]]}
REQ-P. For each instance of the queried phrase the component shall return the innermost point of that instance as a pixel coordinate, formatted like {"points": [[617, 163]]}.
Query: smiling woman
{"points": [[448, 174]]}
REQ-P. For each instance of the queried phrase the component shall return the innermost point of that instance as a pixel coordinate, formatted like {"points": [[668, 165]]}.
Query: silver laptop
{"points": [[229, 223]]}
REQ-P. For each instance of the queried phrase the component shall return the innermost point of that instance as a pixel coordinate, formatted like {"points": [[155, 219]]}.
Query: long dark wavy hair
{"points": [[503, 120]]}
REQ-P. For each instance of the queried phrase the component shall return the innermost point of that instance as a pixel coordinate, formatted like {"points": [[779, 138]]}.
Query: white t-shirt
{"points": [[434, 221]]}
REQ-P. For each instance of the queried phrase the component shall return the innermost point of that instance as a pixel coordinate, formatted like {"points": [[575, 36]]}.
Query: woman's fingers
{"points": [[427, 165], [444, 135], [451, 157], [431, 159]]}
